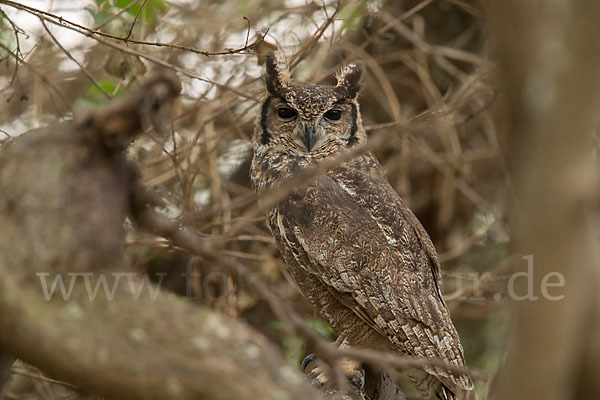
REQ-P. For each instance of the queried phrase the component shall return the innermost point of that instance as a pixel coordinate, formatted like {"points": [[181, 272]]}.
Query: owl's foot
{"points": [[307, 360], [316, 371]]}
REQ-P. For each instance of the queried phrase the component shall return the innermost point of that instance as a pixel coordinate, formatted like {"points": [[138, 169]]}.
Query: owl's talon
{"points": [[313, 367], [307, 360], [351, 369], [357, 378], [318, 377]]}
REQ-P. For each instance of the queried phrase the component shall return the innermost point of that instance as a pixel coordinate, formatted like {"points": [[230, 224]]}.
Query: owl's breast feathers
{"points": [[353, 232]]}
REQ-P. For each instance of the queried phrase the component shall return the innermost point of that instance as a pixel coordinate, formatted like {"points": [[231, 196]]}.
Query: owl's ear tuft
{"points": [[278, 76], [349, 78]]}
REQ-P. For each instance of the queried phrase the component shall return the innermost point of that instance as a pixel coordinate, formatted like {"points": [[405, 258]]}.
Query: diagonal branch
{"points": [[83, 69], [94, 33]]}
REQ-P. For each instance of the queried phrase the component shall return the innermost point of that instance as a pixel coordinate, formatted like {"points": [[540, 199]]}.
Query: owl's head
{"points": [[307, 118]]}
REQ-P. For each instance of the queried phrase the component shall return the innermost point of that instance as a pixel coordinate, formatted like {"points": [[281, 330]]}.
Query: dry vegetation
{"points": [[430, 105]]}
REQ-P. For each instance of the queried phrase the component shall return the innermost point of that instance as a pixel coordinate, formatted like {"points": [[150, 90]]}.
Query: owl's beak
{"points": [[309, 137]]}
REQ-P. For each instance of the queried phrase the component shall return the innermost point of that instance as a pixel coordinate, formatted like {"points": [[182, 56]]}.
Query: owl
{"points": [[357, 253]]}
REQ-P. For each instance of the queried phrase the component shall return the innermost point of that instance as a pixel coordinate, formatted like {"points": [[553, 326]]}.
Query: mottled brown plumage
{"points": [[355, 250]]}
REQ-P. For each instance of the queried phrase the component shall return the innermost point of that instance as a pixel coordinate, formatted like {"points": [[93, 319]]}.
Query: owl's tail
{"points": [[446, 393], [443, 388]]}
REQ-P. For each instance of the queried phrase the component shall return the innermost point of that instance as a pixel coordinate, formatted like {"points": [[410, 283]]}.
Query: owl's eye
{"points": [[334, 114], [286, 113]]}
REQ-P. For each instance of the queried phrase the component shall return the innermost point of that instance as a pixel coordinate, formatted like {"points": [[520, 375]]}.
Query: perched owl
{"points": [[355, 250]]}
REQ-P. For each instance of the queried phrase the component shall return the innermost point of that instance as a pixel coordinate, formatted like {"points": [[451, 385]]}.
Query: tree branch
{"points": [[66, 190]]}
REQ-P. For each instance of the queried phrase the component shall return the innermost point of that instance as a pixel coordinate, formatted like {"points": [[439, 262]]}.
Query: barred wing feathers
{"points": [[352, 231]]}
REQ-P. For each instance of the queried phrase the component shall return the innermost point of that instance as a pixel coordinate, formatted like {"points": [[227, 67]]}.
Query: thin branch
{"points": [[182, 237], [271, 196], [462, 248], [40, 377], [134, 21], [415, 10], [83, 69], [42, 76], [247, 32], [8, 136], [384, 360], [16, 31], [92, 33], [470, 193], [116, 15], [155, 60], [299, 56]]}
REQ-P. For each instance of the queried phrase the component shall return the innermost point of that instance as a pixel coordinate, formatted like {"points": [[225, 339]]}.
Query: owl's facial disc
{"points": [[309, 119], [329, 127], [331, 124], [286, 114]]}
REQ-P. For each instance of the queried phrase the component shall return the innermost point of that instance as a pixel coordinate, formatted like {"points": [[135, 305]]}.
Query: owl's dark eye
{"points": [[286, 113], [333, 115]]}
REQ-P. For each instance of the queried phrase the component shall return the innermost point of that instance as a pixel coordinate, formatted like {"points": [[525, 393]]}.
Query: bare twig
{"points": [[42, 76], [247, 32], [16, 31], [153, 59], [180, 236], [81, 67], [303, 52], [40, 377], [134, 21], [93, 33], [116, 15]]}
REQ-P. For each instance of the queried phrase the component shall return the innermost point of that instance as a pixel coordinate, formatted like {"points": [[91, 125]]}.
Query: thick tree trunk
{"points": [[549, 59]]}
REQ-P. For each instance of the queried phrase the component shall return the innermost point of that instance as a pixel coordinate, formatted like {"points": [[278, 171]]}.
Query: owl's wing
{"points": [[352, 231]]}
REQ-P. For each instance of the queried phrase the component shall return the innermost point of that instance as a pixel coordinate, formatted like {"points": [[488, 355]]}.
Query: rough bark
{"points": [[66, 190], [144, 349], [549, 61]]}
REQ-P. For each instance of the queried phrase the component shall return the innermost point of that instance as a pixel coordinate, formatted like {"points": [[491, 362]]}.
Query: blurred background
{"points": [[429, 88]]}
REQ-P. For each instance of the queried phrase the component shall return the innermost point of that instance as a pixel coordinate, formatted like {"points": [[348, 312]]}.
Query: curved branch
{"points": [[65, 192], [149, 348]]}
